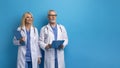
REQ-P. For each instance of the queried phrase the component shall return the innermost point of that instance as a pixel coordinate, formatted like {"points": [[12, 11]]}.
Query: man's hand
{"points": [[61, 47], [48, 46]]}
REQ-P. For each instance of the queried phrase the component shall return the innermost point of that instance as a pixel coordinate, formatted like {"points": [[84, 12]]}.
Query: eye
{"points": [[27, 17]]}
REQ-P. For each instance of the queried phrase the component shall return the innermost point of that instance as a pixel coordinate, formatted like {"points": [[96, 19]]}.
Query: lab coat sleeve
{"points": [[15, 41], [38, 48], [42, 38], [64, 36]]}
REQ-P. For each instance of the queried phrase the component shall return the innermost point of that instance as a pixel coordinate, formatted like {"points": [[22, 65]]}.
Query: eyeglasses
{"points": [[52, 15]]}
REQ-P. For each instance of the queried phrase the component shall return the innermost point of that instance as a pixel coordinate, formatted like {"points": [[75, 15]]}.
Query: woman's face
{"points": [[28, 19]]}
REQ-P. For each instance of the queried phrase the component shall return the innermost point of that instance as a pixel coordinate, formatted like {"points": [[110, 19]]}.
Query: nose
{"points": [[53, 17]]}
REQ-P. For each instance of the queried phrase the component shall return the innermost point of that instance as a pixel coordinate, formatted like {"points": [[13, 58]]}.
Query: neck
{"points": [[53, 24], [27, 26]]}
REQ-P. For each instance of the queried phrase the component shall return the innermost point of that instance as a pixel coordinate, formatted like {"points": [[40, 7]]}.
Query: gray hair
{"points": [[51, 11]]}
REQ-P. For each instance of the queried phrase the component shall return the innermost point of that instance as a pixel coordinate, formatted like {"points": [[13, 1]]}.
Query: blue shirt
{"points": [[55, 31], [55, 36], [28, 50]]}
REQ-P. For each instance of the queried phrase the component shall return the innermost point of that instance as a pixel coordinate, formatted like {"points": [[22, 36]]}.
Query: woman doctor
{"points": [[29, 54]]}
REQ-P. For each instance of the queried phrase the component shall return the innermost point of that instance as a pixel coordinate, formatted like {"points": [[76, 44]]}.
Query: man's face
{"points": [[52, 17]]}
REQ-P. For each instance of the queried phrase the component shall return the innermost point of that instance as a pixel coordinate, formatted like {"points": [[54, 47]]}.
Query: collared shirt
{"points": [[55, 36], [28, 50], [55, 31]]}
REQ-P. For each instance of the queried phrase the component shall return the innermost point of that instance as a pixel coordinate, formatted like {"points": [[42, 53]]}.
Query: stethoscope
{"points": [[58, 26], [47, 32], [25, 32]]}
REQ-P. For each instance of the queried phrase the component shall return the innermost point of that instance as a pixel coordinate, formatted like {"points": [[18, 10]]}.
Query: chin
{"points": [[52, 21]]}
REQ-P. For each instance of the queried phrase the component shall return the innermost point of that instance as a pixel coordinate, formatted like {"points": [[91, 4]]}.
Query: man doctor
{"points": [[54, 57]]}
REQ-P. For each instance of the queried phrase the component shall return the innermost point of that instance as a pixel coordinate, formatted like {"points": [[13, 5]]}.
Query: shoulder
{"points": [[35, 28], [61, 26], [44, 27]]}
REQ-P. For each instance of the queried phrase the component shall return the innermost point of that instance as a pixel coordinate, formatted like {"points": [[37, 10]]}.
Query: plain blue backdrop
{"points": [[93, 28]]}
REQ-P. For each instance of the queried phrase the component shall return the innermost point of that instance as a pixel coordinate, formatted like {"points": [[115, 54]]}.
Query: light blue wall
{"points": [[93, 28]]}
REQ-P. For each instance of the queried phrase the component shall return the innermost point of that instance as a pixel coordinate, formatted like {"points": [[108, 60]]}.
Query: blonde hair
{"points": [[23, 18]]}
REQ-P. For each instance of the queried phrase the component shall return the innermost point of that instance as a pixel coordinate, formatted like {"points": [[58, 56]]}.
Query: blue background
{"points": [[93, 28]]}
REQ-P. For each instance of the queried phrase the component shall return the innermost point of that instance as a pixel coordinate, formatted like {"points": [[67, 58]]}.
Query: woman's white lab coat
{"points": [[46, 37], [35, 49]]}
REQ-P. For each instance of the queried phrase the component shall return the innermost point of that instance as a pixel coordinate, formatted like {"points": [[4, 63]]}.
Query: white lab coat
{"points": [[35, 49], [46, 37]]}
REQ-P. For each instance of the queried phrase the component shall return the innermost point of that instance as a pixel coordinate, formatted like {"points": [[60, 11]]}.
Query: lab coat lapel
{"points": [[31, 31], [49, 28]]}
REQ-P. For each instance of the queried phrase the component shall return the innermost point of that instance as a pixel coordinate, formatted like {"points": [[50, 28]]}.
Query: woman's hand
{"points": [[39, 60], [22, 39]]}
